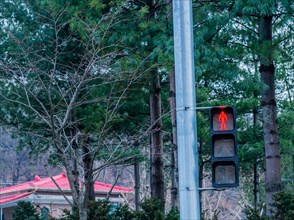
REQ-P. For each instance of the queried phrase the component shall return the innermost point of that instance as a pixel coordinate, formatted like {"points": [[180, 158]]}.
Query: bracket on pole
{"points": [[212, 188]]}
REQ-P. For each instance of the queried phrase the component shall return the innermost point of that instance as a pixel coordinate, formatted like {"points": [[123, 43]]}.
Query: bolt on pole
{"points": [[186, 110]]}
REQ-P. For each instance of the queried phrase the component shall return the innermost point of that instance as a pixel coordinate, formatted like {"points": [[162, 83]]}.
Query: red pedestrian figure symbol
{"points": [[222, 118]]}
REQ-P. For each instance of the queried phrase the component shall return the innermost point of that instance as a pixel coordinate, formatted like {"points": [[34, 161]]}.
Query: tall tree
{"points": [[269, 112], [270, 18], [156, 148], [60, 86], [247, 45], [150, 38], [174, 150]]}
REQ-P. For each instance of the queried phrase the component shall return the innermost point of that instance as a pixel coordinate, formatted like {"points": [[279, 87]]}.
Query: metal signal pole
{"points": [[186, 111]]}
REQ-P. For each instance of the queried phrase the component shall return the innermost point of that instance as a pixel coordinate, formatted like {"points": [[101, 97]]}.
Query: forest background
{"points": [[87, 87]]}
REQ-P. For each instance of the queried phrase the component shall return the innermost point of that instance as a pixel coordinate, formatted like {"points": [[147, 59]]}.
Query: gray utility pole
{"points": [[186, 111]]}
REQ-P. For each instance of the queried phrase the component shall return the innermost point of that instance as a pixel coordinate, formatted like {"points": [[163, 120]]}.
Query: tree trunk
{"points": [[255, 166], [269, 114], [256, 185], [157, 176], [174, 152], [88, 173], [72, 173], [82, 212], [137, 185]]}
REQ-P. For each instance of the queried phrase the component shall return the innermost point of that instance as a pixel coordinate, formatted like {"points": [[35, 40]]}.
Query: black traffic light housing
{"points": [[224, 151]]}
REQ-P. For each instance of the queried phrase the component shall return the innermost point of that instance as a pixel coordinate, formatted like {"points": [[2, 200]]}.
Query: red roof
{"points": [[13, 198], [25, 189]]}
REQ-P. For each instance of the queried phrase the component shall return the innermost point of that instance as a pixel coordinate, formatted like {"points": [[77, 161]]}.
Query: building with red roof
{"points": [[49, 194]]}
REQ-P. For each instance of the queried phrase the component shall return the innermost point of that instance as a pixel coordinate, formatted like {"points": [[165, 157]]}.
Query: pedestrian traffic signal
{"points": [[224, 155]]}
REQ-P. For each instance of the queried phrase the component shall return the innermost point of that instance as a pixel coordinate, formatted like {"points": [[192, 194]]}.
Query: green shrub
{"points": [[105, 210], [284, 204], [150, 210], [122, 212], [102, 210], [68, 215], [173, 214], [25, 211], [99, 210]]}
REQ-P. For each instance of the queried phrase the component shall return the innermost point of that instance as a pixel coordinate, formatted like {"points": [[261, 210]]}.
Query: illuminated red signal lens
{"points": [[223, 121], [223, 118]]}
